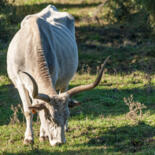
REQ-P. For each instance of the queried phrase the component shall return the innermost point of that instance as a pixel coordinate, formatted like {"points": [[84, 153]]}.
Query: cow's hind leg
{"points": [[28, 115]]}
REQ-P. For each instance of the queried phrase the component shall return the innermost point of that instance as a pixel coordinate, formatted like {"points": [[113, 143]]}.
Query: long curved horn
{"points": [[35, 93], [79, 89]]}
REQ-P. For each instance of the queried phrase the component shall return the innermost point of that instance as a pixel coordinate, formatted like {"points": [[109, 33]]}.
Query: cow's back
{"points": [[56, 43]]}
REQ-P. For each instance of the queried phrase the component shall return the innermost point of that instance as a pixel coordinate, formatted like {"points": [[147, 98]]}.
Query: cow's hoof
{"points": [[43, 138], [28, 142]]}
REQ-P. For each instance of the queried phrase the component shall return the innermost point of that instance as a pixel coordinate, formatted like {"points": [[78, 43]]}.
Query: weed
{"points": [[135, 109], [16, 109]]}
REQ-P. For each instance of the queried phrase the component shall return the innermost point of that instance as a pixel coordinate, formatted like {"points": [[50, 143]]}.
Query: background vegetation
{"points": [[111, 119]]}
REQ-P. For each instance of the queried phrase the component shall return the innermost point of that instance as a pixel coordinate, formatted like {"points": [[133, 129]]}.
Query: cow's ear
{"points": [[37, 107], [73, 103]]}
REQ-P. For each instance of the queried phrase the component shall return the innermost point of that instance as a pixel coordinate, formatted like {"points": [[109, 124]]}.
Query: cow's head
{"points": [[55, 112], [55, 109]]}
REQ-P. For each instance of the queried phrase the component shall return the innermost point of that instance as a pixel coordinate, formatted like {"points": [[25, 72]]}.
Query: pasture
{"points": [[118, 116]]}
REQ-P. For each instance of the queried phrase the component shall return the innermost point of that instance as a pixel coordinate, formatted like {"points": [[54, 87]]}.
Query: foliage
{"points": [[149, 6], [121, 11], [3, 3]]}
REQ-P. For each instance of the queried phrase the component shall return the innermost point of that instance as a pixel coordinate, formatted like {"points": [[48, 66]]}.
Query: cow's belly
{"points": [[65, 75]]}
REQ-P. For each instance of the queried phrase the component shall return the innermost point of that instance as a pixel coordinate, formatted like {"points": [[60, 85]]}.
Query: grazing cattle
{"points": [[42, 58]]}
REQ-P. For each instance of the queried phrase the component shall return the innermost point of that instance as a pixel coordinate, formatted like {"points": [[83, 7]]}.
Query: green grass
{"points": [[98, 126], [101, 124]]}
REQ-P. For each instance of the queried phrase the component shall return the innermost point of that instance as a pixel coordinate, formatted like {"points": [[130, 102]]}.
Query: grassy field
{"points": [[110, 120]]}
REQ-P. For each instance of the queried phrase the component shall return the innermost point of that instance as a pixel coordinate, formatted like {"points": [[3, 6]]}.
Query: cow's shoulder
{"points": [[53, 17]]}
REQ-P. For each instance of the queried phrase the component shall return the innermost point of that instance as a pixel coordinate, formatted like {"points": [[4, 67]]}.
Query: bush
{"points": [[149, 6], [121, 11], [3, 3]]}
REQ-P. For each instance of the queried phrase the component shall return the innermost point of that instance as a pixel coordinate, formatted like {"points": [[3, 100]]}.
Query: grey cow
{"points": [[42, 58]]}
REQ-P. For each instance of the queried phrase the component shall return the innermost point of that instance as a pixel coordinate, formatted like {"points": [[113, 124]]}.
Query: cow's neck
{"points": [[47, 90]]}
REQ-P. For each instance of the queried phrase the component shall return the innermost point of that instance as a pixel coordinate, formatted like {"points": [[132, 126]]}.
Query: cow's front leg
{"points": [[29, 132], [28, 115], [43, 134]]}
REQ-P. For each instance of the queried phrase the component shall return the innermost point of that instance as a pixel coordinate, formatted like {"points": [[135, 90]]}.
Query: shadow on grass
{"points": [[96, 102], [128, 48], [45, 152], [125, 139], [3, 63], [8, 96], [103, 102]]}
